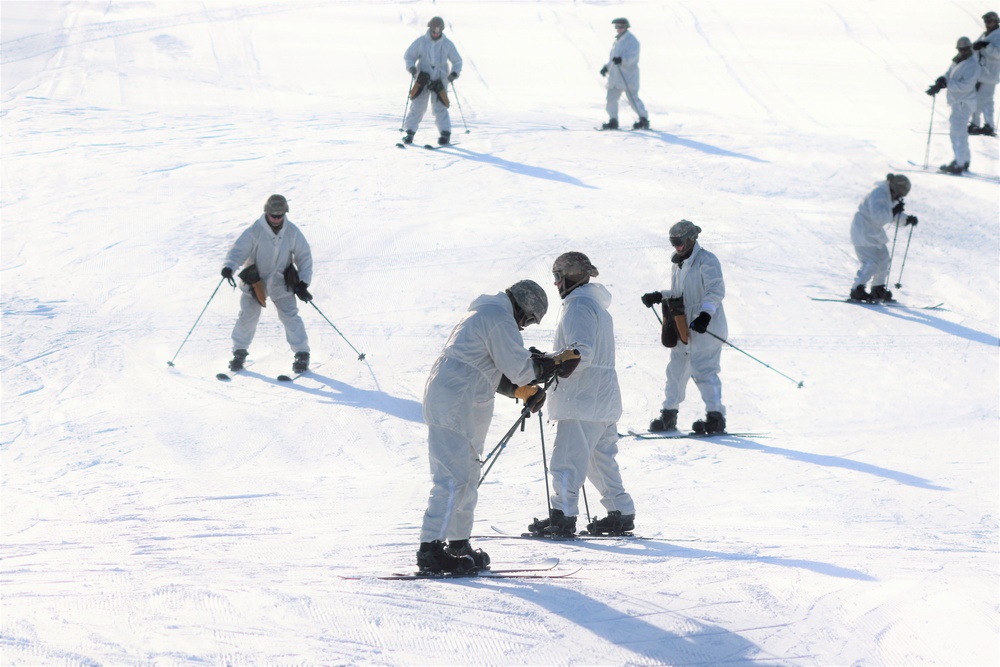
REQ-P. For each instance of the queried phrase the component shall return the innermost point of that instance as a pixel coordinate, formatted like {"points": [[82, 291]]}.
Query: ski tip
{"points": [[223, 377], [284, 378]]}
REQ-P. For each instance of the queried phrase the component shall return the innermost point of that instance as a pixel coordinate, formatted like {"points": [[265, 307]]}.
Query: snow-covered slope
{"points": [[152, 515]]}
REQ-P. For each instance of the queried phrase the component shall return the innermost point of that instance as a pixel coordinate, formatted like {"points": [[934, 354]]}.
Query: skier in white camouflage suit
{"points": [[697, 289], [427, 61], [484, 355], [987, 49], [960, 80], [882, 207], [278, 265], [585, 406], [622, 70]]}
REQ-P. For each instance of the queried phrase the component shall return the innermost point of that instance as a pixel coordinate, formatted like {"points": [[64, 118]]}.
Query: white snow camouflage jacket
{"points": [[699, 281], [961, 78], [874, 213], [989, 57], [626, 47], [272, 253], [591, 393], [484, 346], [432, 56]]}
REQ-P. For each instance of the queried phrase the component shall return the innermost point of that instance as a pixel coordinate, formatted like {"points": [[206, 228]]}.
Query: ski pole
{"points": [[496, 451], [892, 252], [755, 359], [545, 465], [361, 355], [927, 152], [628, 91], [462, 113], [171, 362], [899, 283], [402, 123]]}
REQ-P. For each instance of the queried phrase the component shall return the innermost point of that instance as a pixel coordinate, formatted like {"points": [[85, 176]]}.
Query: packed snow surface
{"points": [[152, 515]]}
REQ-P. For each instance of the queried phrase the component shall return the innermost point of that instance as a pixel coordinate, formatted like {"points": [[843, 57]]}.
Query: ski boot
{"points": [[445, 138], [408, 139], [239, 356], [612, 124], [615, 523], [667, 421], [953, 168], [859, 293], [557, 525], [988, 131], [880, 293], [433, 558], [974, 128], [463, 548], [713, 422], [301, 363], [641, 124]]}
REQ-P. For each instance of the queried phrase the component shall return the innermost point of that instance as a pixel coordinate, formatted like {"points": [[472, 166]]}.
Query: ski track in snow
{"points": [[153, 514]]}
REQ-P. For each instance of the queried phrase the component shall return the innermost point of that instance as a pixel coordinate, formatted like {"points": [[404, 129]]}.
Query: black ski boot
{"points": [[463, 548], [859, 293], [667, 421], [301, 363], [713, 422], [408, 139], [615, 523], [974, 129], [880, 293], [988, 131], [239, 356], [557, 525], [444, 139], [612, 124], [433, 558], [641, 124], [952, 168]]}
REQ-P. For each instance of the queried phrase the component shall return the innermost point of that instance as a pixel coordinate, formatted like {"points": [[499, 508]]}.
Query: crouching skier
{"points": [[484, 349]]}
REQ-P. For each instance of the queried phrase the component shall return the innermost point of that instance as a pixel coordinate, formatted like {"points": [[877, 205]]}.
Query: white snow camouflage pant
{"points": [[587, 450], [961, 113], [418, 108], [699, 360], [633, 100], [455, 468], [288, 313], [874, 264], [984, 104]]}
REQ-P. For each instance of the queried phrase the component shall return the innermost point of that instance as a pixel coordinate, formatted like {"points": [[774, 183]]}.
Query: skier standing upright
{"points": [[427, 60], [960, 80], [277, 263], [882, 206], [622, 71], [484, 355], [586, 406], [987, 48], [696, 293]]}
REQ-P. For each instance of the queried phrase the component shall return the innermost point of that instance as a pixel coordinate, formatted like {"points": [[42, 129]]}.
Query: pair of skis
{"points": [[430, 147], [680, 435], [291, 377], [544, 570], [876, 304]]}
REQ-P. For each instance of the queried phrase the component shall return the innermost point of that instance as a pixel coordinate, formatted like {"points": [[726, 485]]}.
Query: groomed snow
{"points": [[152, 515]]}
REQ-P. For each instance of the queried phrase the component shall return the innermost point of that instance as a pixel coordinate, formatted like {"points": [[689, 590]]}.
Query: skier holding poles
{"points": [[622, 70], [960, 80], [484, 355], [882, 207], [695, 295], [586, 407], [427, 61]]}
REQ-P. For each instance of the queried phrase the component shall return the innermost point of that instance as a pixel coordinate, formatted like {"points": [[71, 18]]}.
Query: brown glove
{"points": [[566, 362], [532, 396]]}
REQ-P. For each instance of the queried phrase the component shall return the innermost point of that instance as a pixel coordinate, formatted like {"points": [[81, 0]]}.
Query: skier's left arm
{"points": [[456, 60], [629, 52], [715, 287], [302, 254]]}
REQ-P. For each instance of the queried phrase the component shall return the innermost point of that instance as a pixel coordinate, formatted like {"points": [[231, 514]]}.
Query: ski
{"points": [[582, 535], [891, 304], [608, 129], [917, 168], [678, 435], [400, 144], [432, 147], [543, 570], [293, 376]]}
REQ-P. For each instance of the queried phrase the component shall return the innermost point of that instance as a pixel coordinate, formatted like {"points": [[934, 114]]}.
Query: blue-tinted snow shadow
{"points": [[668, 138], [341, 393], [922, 316], [833, 462], [699, 644], [518, 168]]}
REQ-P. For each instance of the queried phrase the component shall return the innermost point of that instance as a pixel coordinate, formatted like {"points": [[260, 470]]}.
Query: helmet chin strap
{"points": [[565, 287]]}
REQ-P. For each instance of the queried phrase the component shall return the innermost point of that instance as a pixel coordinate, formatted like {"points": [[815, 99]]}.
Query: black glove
{"points": [[941, 82], [423, 78], [227, 273], [898, 208], [700, 323], [302, 292], [604, 71], [412, 71], [650, 299], [617, 60], [453, 76], [981, 44], [932, 91], [911, 220]]}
